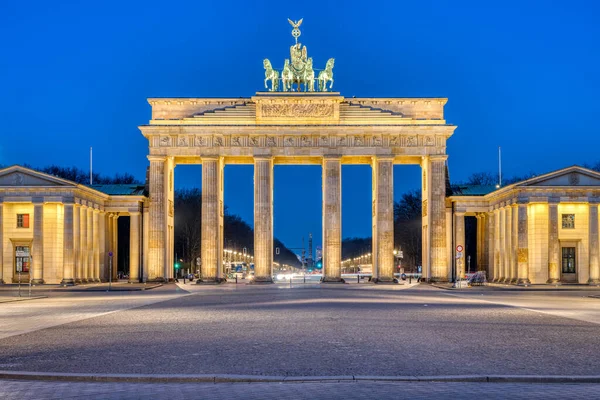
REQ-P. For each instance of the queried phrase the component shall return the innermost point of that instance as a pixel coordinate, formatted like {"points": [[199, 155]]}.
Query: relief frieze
{"points": [[297, 110]]}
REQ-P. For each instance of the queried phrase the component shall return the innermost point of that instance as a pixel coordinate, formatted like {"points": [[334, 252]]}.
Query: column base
{"points": [[210, 281], [332, 279], [261, 280], [594, 282], [523, 282], [514, 281], [37, 281], [67, 282], [1, 281], [136, 280], [553, 281], [385, 281]]}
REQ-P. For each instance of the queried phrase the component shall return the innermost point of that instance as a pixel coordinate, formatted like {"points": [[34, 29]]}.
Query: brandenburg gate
{"points": [[297, 122]]}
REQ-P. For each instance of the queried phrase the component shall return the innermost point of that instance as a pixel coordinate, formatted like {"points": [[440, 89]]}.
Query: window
{"points": [[568, 260], [22, 259], [568, 221], [22, 220]]}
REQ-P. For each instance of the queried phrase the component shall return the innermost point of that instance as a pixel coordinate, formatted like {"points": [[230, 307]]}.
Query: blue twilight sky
{"points": [[518, 74]]}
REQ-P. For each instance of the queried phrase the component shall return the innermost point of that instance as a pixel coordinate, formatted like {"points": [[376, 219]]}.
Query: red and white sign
{"points": [[459, 248]]}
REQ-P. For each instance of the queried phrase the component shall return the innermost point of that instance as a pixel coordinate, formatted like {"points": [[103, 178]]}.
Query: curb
{"points": [[12, 300], [227, 378]]}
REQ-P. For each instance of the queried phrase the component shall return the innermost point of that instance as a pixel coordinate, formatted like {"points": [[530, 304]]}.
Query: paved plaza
{"points": [[356, 332]]}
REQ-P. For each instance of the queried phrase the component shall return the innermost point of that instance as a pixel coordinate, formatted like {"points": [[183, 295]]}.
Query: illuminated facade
{"points": [[56, 231], [542, 230]]}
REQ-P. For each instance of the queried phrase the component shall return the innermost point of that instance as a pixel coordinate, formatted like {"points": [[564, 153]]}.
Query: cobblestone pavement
{"points": [[59, 307], [334, 331], [292, 391]]}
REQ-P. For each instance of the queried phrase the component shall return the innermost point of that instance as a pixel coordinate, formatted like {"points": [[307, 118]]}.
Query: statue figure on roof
{"points": [[298, 73]]}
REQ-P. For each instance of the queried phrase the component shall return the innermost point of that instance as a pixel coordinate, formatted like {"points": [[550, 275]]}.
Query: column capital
{"points": [[332, 157], [134, 213], [438, 157], [382, 158], [261, 157], [156, 158]]}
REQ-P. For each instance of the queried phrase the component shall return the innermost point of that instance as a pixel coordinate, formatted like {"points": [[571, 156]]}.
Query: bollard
{"points": [[290, 281], [236, 279], [304, 278], [357, 278]]}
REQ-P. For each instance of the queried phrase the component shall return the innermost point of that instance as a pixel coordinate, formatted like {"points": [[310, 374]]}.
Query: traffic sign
{"points": [[459, 248]]}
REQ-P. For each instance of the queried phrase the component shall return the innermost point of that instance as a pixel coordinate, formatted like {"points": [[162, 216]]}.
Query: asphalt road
{"points": [[350, 330]]}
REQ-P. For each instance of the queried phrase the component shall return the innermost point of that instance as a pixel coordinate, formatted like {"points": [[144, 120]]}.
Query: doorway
{"points": [[569, 264]]}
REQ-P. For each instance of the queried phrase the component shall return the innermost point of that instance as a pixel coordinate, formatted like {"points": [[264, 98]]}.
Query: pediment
{"points": [[19, 176], [572, 176]]}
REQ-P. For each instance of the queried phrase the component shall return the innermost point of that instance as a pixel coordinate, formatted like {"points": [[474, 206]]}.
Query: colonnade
{"points": [[90, 234], [503, 248], [161, 218]]}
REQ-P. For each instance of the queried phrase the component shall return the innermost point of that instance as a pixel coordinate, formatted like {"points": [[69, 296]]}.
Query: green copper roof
{"points": [[472, 190], [120, 190]]}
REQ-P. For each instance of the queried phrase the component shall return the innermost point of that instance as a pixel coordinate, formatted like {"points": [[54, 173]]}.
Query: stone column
{"points": [[96, 245], [503, 249], [83, 249], [553, 244], [383, 219], [491, 235], [514, 251], [89, 274], [593, 243], [459, 239], [437, 227], [76, 244], [479, 241], [212, 221], [37, 252], [134, 247], [68, 247], [263, 220], [497, 247], [523, 247], [158, 219], [1, 244], [145, 223], [332, 219], [115, 245], [102, 245], [508, 244]]}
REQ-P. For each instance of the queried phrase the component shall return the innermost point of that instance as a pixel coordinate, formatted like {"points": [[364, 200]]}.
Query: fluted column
{"points": [[553, 244], [508, 244], [212, 221], [514, 250], [593, 243], [332, 219], [37, 276], [1, 244], [89, 273], [503, 249], [115, 241], [158, 219], [459, 239], [497, 247], [96, 245], [68, 247], [83, 259], [436, 199], [76, 244], [383, 219], [523, 246], [491, 237], [263, 219], [102, 245], [134, 247]]}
